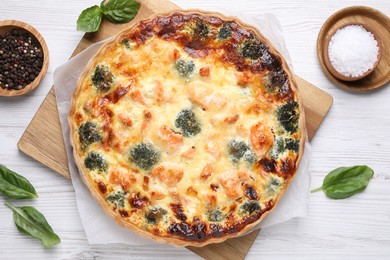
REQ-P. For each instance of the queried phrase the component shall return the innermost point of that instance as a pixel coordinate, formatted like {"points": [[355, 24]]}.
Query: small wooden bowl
{"points": [[329, 65], [5, 27], [375, 22]]}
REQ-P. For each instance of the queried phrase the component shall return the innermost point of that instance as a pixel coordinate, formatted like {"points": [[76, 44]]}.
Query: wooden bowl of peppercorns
{"points": [[24, 58]]}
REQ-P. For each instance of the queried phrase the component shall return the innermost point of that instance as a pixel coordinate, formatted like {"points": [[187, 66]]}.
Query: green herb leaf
{"points": [[120, 11], [90, 19], [15, 186], [31, 222], [344, 182]]}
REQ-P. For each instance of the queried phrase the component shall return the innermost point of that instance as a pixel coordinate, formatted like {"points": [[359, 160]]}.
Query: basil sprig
{"points": [[31, 222], [90, 19], [116, 11], [344, 182], [27, 219], [120, 11], [15, 186]]}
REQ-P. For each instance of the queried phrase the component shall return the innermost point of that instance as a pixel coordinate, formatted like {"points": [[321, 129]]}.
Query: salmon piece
{"points": [[212, 149], [243, 79], [231, 182], [212, 199], [136, 95], [191, 191], [255, 107], [161, 93], [168, 173], [232, 119], [204, 72], [123, 177], [243, 176], [121, 145], [125, 119], [145, 122], [198, 95], [258, 106], [203, 97], [262, 139], [172, 139], [145, 185], [78, 117], [189, 204], [122, 140], [174, 56], [157, 194], [190, 153], [206, 172], [174, 193]]}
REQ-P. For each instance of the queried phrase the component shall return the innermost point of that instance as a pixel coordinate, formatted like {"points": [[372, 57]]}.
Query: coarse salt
{"points": [[353, 50]]}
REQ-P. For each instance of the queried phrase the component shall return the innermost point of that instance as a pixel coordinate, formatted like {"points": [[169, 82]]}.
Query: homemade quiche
{"points": [[187, 128]]}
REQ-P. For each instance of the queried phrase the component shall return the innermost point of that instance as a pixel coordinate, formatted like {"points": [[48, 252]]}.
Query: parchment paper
{"points": [[102, 229]]}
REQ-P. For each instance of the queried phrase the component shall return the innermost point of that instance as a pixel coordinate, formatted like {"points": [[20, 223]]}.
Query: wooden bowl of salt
{"points": [[372, 20], [352, 52]]}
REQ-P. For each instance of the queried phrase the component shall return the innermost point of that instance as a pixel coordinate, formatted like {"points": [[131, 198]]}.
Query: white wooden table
{"points": [[356, 131]]}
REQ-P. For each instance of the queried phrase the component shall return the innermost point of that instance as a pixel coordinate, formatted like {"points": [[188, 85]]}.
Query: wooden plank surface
{"points": [[50, 150]]}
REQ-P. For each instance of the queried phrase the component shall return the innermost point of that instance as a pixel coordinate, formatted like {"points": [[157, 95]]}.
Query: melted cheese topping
{"points": [[225, 169]]}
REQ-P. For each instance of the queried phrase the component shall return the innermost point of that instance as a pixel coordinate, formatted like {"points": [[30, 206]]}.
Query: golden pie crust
{"points": [[187, 127]]}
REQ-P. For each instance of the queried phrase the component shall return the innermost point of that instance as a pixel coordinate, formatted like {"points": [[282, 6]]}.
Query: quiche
{"points": [[187, 128]]}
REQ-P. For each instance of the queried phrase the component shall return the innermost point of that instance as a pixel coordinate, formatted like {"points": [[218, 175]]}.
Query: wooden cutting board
{"points": [[42, 140]]}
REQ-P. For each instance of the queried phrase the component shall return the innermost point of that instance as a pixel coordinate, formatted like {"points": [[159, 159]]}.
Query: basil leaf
{"points": [[15, 186], [31, 222], [120, 11], [89, 20], [344, 182]]}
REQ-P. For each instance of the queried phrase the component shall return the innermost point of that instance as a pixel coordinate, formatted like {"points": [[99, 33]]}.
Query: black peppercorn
{"points": [[21, 59]]}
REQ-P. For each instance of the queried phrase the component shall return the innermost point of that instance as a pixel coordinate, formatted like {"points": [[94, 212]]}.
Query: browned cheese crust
{"points": [[187, 128]]}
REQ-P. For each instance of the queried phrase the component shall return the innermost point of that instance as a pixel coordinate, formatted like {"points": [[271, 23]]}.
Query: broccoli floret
{"points": [[88, 134], [267, 59], [288, 116], [215, 215], [277, 82], [252, 50], [201, 30], [188, 123], [250, 207], [102, 78], [126, 43], [282, 144], [117, 198], [224, 32], [185, 68], [144, 155], [154, 214], [239, 150], [95, 161], [278, 148], [292, 144], [250, 156], [273, 184]]}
